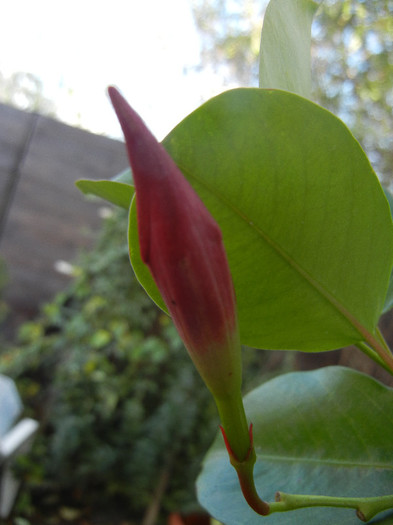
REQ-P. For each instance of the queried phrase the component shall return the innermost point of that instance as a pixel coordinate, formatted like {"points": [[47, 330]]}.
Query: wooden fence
{"points": [[44, 220]]}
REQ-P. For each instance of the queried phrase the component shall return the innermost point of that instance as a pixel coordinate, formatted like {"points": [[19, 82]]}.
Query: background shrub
{"points": [[120, 403], [125, 417]]}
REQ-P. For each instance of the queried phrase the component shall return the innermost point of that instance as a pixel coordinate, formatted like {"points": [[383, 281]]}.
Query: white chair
{"points": [[16, 437]]}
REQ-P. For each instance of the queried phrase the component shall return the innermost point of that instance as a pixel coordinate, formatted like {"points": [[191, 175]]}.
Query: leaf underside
{"points": [[322, 432], [118, 193], [305, 222], [389, 295]]}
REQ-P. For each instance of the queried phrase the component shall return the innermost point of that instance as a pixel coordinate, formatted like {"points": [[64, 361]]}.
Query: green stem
{"points": [[383, 341], [373, 355], [245, 473], [239, 444], [378, 344], [234, 422], [366, 508]]}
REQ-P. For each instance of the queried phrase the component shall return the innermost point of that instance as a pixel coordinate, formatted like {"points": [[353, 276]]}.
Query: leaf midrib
{"points": [[333, 301]]}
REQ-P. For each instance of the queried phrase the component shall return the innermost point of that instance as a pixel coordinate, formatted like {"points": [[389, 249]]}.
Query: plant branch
{"points": [[366, 508], [234, 423], [151, 514], [379, 345], [245, 473], [373, 355], [383, 341]]}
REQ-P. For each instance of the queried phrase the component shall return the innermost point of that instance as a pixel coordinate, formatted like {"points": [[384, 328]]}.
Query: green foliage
{"points": [[308, 444], [316, 226], [117, 193], [118, 397], [308, 233], [351, 59], [230, 33], [284, 61], [309, 238], [142, 272], [389, 295]]}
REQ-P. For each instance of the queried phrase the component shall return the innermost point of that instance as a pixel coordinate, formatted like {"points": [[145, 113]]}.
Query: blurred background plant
{"points": [[25, 91], [125, 417], [352, 59], [121, 406]]}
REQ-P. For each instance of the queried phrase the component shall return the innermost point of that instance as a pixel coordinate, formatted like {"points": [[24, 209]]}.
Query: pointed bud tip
{"points": [[134, 128], [114, 94], [119, 103]]}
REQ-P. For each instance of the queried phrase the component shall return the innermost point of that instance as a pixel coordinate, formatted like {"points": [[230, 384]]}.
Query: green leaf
{"points": [[125, 177], [285, 55], [326, 432], [389, 295], [141, 271], [306, 225], [117, 193]]}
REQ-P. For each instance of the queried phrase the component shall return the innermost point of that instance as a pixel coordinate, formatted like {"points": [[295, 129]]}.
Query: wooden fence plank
{"points": [[14, 139], [49, 220]]}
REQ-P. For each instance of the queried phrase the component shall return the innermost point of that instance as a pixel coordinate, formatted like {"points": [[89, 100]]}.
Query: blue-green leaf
{"points": [[326, 432]]}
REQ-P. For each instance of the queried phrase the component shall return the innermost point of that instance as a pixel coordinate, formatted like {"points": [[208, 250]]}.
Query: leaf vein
{"points": [[364, 334]]}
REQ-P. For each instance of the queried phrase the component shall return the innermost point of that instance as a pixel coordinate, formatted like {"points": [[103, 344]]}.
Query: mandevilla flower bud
{"points": [[182, 245]]}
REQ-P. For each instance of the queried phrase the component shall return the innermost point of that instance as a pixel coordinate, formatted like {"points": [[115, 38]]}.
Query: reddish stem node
{"points": [[245, 473]]}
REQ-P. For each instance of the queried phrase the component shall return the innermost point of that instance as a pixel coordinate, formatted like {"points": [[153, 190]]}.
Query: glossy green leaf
{"points": [[117, 193], [305, 222], [141, 271], [326, 432], [285, 55], [125, 177], [389, 296]]}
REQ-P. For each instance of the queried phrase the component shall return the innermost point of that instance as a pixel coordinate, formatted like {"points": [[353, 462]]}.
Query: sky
{"points": [[149, 49]]}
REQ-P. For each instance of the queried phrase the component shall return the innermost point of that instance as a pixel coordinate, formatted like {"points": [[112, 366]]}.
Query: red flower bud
{"points": [[182, 245]]}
